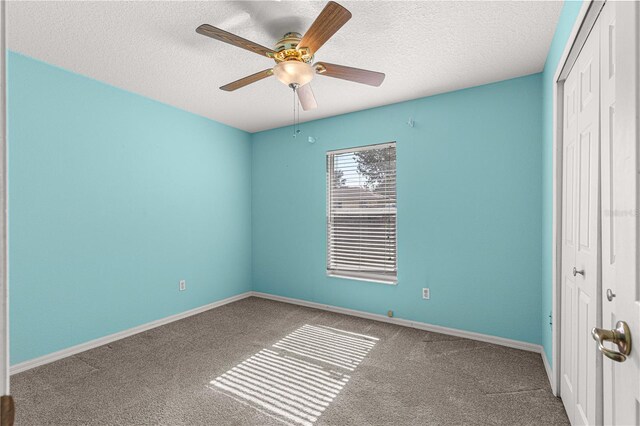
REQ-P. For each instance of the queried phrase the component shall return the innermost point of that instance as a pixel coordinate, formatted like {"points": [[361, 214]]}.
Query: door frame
{"points": [[4, 289], [582, 26]]}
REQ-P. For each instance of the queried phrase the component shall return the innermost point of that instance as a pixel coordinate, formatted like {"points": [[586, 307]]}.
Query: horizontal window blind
{"points": [[361, 213]]}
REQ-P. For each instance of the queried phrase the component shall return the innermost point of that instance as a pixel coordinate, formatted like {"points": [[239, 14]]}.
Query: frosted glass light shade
{"points": [[290, 72]]}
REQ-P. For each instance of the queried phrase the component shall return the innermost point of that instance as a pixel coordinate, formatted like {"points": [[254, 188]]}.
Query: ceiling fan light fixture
{"points": [[293, 72]]}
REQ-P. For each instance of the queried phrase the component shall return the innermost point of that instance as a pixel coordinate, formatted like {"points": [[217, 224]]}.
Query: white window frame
{"points": [[358, 275]]}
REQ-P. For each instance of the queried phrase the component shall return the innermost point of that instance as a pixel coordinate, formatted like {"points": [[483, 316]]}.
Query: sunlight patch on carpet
{"points": [[299, 376]]}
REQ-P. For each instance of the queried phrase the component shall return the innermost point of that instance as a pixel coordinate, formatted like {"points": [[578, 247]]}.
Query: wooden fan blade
{"points": [[330, 20], [222, 35], [372, 78], [247, 80], [306, 98]]}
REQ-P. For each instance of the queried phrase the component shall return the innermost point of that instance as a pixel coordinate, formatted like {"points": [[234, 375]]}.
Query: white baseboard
{"points": [[408, 323], [55, 356], [549, 371]]}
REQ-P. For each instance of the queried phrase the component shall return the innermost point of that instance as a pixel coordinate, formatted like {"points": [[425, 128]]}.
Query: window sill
{"points": [[390, 281]]}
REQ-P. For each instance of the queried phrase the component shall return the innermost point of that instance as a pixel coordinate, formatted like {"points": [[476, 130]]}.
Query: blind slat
{"points": [[382, 255]]}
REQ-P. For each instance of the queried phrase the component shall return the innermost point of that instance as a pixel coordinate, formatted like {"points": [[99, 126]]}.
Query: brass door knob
{"points": [[620, 336]]}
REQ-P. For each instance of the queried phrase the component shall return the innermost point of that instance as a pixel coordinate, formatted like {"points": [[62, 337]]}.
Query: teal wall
{"points": [[469, 209], [565, 24], [113, 199]]}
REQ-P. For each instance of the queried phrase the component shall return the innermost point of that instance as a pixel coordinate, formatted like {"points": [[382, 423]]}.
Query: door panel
{"points": [[585, 186], [584, 345], [568, 329], [569, 223]]}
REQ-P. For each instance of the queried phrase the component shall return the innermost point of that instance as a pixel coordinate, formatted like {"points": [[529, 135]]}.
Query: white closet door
{"points": [[587, 312], [607, 115], [568, 297], [581, 210], [621, 112]]}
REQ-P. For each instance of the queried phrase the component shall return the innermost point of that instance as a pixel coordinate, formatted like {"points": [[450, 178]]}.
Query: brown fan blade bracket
{"points": [[330, 20], [234, 40]]}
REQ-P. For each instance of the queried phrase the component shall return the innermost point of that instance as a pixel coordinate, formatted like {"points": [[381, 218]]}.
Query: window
{"points": [[361, 213]]}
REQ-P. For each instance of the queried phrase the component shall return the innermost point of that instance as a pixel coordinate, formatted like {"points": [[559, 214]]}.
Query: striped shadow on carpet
{"points": [[298, 378]]}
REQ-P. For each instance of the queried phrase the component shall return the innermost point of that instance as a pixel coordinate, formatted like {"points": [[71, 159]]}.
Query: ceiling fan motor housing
{"points": [[287, 49]]}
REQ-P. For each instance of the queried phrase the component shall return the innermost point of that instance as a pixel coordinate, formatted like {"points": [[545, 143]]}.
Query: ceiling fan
{"points": [[294, 54]]}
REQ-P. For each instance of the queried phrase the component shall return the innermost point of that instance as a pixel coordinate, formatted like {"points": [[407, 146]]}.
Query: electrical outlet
{"points": [[425, 293], [183, 285]]}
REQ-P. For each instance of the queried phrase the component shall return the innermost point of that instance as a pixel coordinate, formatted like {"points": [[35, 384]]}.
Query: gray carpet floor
{"points": [[260, 362]]}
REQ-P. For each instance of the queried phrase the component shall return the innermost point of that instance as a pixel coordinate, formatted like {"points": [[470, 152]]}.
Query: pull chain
{"points": [[296, 111]]}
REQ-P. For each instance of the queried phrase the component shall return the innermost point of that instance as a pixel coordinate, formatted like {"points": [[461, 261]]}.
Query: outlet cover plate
{"points": [[183, 285], [426, 294]]}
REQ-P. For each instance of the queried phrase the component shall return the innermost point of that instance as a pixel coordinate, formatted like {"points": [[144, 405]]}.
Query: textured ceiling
{"points": [[151, 48]]}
